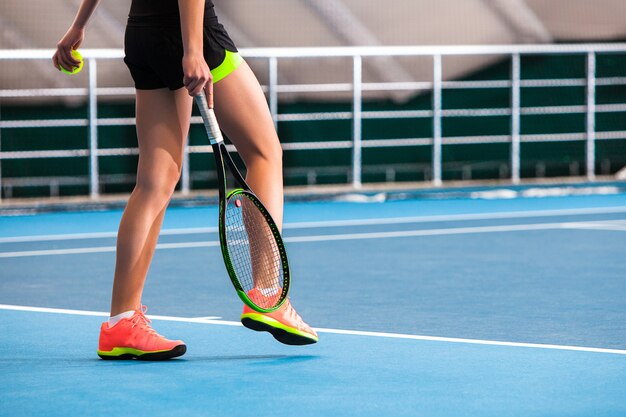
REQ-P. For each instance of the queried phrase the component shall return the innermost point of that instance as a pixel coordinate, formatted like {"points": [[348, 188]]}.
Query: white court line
{"points": [[100, 235], [460, 217], [102, 249], [599, 227], [611, 225], [318, 238], [427, 232], [104, 314], [340, 223], [204, 320]]}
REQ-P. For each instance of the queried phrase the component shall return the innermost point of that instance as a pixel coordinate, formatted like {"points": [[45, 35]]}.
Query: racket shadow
{"points": [[274, 359], [86, 362]]}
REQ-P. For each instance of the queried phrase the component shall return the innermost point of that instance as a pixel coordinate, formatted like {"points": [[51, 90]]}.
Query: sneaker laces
{"points": [[140, 319], [293, 314]]}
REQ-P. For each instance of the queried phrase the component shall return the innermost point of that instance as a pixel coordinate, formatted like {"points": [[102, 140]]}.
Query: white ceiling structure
{"points": [[267, 23]]}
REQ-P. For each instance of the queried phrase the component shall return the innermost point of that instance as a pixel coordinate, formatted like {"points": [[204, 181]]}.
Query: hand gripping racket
{"points": [[252, 247]]}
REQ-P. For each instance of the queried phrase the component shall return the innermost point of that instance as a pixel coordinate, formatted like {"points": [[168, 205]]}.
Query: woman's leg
{"points": [[244, 116], [162, 128]]}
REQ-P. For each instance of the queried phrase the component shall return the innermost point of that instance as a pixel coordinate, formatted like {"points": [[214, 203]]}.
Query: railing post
{"points": [[357, 116], [591, 116], [273, 89], [437, 123], [94, 182], [0, 156], [185, 180], [515, 118]]}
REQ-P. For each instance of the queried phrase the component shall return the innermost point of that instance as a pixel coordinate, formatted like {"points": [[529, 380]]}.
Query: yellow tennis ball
{"points": [[75, 70]]}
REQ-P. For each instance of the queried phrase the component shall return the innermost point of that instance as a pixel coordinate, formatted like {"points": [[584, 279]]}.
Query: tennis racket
{"points": [[252, 247]]}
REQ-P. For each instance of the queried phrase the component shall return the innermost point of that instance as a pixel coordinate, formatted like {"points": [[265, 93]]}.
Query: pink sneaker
{"points": [[134, 338], [284, 324]]}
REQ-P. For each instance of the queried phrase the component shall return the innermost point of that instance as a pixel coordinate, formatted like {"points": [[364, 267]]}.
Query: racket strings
{"points": [[253, 251]]}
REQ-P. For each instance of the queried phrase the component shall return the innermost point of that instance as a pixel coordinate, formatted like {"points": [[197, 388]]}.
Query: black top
{"points": [[166, 9]]}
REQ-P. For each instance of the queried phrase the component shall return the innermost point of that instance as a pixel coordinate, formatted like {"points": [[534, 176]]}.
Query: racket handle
{"points": [[209, 119]]}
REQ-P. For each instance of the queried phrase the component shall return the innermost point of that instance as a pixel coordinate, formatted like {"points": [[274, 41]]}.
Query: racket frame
{"points": [[223, 160]]}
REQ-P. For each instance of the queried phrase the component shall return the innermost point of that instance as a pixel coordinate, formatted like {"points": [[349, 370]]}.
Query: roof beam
{"points": [[521, 20], [16, 39], [111, 26], [236, 31], [345, 24], [243, 39]]}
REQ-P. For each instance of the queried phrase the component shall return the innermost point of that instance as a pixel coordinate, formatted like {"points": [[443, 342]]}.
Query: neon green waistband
{"points": [[230, 63]]}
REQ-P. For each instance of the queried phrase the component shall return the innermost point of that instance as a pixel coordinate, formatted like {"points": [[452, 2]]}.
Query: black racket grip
{"points": [[210, 121]]}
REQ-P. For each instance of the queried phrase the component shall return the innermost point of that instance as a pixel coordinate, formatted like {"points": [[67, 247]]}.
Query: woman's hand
{"points": [[197, 77], [63, 55]]}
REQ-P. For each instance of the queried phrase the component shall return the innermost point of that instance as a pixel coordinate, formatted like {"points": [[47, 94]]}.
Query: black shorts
{"points": [[154, 52]]}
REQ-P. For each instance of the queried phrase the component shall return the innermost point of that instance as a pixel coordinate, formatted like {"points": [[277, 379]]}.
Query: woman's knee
{"points": [[158, 185], [268, 151], [274, 152]]}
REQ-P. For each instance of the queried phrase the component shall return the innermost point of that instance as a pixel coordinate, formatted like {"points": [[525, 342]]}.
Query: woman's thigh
{"points": [[244, 116], [162, 127]]}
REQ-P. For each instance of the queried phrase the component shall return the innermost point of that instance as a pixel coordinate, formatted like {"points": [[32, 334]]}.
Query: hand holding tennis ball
{"points": [[75, 70], [66, 58]]}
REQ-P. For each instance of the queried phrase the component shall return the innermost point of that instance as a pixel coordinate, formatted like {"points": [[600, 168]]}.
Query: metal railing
{"points": [[357, 88]]}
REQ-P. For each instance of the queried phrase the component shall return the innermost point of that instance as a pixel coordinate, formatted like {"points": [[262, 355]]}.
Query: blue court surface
{"points": [[425, 307]]}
